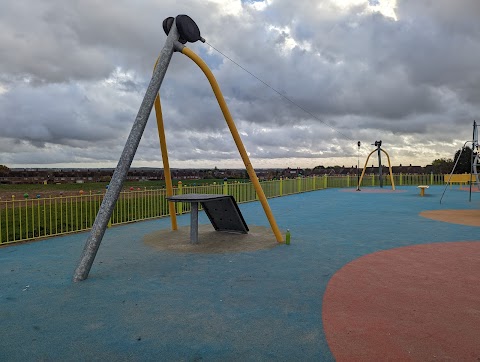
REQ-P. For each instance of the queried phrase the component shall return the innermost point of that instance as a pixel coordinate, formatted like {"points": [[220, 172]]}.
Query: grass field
{"points": [[30, 218], [18, 190], [57, 209]]}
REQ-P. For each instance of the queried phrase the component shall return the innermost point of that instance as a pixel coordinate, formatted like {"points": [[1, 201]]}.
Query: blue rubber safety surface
{"points": [[145, 304]]}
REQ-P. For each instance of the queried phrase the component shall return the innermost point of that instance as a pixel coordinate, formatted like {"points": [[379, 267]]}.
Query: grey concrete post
{"points": [[106, 209], [194, 223]]}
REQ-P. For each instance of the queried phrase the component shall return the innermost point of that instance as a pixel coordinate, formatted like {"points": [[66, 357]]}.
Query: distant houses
{"points": [[71, 175]]}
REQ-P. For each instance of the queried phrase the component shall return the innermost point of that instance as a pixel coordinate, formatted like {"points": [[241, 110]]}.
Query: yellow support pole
{"points": [[166, 166], [364, 168], [373, 177], [238, 141]]}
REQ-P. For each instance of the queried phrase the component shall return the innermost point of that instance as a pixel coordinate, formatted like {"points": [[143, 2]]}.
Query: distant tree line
{"points": [[444, 165], [4, 169]]}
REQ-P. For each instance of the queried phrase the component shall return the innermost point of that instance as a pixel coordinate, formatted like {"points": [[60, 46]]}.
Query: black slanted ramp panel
{"points": [[222, 211], [225, 215]]}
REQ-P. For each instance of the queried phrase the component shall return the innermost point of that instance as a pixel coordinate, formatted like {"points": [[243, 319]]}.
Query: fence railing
{"points": [[28, 219]]}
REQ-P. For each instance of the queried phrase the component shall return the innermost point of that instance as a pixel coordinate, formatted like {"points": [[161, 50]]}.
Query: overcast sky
{"points": [[73, 74]]}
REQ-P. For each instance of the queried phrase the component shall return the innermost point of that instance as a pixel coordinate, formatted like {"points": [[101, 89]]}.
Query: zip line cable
{"points": [[282, 95]]}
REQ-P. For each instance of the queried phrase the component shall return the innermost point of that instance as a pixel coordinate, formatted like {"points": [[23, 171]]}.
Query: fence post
{"points": [[180, 204], [325, 183], [348, 180], [13, 217], [225, 187], [373, 179], [313, 183], [401, 179], [281, 186], [1, 235], [50, 203], [299, 184], [431, 178]]}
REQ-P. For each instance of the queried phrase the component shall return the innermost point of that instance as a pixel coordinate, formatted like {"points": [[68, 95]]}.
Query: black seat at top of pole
{"points": [[187, 28]]}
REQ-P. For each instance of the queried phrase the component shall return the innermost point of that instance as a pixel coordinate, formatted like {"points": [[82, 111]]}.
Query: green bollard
{"points": [[287, 237]]}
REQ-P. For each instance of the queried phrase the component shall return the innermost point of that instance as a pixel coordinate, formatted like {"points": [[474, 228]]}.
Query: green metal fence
{"points": [[28, 219]]}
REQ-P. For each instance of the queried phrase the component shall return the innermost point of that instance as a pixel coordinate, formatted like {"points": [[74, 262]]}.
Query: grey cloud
{"points": [[60, 115], [75, 73]]}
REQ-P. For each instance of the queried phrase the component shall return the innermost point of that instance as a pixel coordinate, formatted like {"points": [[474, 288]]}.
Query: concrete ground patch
{"points": [[211, 241]]}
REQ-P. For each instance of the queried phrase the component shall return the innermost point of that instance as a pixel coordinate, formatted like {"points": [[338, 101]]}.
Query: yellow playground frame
{"points": [[236, 137], [389, 167]]}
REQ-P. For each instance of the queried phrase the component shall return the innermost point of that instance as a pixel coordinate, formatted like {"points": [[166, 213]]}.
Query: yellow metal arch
{"points": [[389, 168], [166, 165], [238, 141]]}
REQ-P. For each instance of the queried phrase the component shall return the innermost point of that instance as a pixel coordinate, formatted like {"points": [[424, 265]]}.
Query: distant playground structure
{"points": [[472, 178], [378, 149]]}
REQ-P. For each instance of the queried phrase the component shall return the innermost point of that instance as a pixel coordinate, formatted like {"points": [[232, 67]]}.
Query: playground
{"points": [[366, 277], [357, 274]]}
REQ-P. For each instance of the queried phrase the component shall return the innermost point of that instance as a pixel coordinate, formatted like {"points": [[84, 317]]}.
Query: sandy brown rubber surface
{"points": [[463, 217], [211, 241], [373, 190], [416, 303]]}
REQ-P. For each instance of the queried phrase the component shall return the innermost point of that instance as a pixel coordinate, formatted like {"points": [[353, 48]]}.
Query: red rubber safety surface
{"points": [[418, 303]]}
